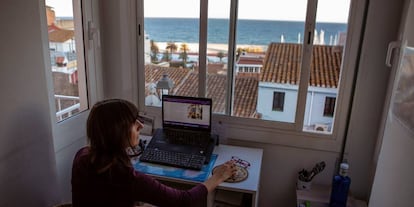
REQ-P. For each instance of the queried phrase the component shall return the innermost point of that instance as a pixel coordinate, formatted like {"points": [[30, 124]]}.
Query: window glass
{"points": [[66, 48], [269, 39], [326, 64], [217, 53], [171, 48], [260, 79], [329, 106], [278, 101]]}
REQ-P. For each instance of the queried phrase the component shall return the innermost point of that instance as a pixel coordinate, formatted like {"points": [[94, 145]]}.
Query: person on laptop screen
{"points": [[102, 173]]}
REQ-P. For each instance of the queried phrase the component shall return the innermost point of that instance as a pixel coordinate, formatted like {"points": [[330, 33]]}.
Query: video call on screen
{"points": [[183, 112]]}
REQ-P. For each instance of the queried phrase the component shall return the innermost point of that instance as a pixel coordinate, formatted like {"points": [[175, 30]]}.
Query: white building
{"points": [[249, 63], [278, 88]]}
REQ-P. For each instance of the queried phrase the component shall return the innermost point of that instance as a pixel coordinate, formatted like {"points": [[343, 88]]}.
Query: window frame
{"points": [[258, 130], [69, 130]]}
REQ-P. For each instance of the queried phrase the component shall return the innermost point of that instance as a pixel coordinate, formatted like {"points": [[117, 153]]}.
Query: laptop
{"points": [[185, 139]]}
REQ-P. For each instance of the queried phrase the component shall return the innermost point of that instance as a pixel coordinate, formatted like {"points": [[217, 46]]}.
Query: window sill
{"points": [[266, 132], [273, 133]]}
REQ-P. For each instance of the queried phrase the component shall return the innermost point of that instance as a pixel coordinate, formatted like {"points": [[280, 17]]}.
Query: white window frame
{"points": [[257, 130], [69, 130], [70, 134]]}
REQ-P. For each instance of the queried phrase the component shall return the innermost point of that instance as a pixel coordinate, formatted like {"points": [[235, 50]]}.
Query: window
{"points": [[326, 58], [329, 106], [171, 47], [240, 52], [65, 33], [278, 101]]}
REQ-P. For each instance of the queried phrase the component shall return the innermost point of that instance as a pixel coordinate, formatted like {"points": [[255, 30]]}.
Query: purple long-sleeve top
{"points": [[122, 186]]}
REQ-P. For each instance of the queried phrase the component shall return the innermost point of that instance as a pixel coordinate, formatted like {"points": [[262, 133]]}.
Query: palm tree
{"points": [[183, 55], [172, 47], [165, 56], [154, 51], [220, 55], [184, 47]]}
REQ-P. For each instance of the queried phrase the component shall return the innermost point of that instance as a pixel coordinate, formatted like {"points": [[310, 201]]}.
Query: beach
{"points": [[211, 47]]}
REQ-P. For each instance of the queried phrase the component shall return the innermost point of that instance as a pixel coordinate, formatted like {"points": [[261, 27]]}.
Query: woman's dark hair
{"points": [[109, 131]]}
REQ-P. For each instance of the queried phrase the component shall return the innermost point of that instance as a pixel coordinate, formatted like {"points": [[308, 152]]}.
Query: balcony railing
{"points": [[66, 106]]}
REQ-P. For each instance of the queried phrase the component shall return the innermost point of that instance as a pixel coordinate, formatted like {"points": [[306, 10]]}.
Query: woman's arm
{"points": [[149, 190]]}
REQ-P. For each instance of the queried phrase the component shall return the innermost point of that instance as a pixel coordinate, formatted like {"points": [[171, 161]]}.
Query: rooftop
{"points": [[185, 81], [57, 34], [282, 65]]}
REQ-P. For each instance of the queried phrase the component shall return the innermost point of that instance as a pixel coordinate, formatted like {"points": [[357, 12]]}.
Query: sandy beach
{"points": [[211, 47]]}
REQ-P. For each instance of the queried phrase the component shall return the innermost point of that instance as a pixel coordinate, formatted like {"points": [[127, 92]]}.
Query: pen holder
{"points": [[303, 185]]}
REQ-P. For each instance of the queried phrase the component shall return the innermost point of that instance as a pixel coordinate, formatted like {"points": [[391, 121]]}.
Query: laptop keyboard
{"points": [[186, 138], [176, 159]]}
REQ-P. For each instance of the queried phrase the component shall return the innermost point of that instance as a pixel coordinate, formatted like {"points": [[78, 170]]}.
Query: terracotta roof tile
{"points": [[216, 67], [282, 65], [154, 73], [246, 90], [250, 60], [57, 34]]}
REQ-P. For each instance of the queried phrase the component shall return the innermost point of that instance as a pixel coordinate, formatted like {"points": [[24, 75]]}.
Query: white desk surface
{"points": [[252, 155], [225, 152]]}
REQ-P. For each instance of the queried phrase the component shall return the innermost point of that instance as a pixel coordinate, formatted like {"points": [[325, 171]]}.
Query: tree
{"points": [[184, 55], [172, 47], [154, 51], [220, 55], [184, 48], [166, 56]]}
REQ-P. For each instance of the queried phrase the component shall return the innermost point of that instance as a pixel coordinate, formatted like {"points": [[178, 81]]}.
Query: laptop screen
{"points": [[181, 112]]}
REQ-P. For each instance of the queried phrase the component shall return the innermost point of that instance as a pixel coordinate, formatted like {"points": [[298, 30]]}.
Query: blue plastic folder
{"points": [[174, 172]]}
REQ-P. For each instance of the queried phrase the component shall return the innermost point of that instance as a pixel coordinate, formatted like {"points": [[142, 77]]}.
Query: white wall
{"points": [[27, 161], [265, 101], [25, 126], [393, 184], [382, 25], [119, 49], [315, 107]]}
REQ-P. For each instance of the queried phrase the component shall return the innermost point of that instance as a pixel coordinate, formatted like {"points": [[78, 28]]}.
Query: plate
{"points": [[241, 175]]}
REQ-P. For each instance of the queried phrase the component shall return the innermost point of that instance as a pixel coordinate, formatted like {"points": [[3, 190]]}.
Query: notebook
{"points": [[186, 131]]}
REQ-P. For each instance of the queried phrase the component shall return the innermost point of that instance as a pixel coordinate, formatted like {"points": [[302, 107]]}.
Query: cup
{"points": [[303, 185]]}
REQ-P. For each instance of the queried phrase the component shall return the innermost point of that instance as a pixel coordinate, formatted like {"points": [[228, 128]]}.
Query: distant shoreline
{"points": [[250, 32], [211, 47]]}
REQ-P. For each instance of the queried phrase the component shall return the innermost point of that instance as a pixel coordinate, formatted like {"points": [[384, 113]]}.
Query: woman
{"points": [[102, 174]]}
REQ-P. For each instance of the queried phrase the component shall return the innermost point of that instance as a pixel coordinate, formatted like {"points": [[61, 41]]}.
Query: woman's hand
{"points": [[224, 171], [220, 174]]}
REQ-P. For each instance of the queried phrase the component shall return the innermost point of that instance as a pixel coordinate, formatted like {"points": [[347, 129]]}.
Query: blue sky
{"points": [[328, 10]]}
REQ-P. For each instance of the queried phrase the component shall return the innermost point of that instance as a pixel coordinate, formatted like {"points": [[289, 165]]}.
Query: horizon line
{"points": [[286, 20]]}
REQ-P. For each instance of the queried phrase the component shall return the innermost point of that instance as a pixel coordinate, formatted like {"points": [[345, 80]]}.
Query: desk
{"points": [[248, 188]]}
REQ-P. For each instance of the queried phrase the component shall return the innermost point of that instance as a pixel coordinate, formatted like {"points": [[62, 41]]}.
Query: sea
{"points": [[249, 32]]}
